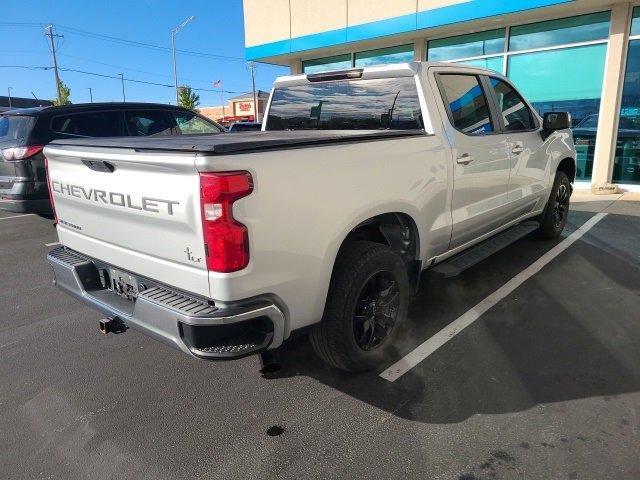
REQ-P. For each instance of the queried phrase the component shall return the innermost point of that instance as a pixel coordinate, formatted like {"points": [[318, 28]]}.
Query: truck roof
{"points": [[406, 69]]}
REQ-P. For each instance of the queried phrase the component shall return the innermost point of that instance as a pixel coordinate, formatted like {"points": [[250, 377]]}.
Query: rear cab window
{"points": [[89, 124], [375, 104]]}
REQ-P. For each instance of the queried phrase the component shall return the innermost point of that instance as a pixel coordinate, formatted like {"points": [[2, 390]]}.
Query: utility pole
{"points": [[124, 99], [48, 31], [90, 94], [174, 32], [256, 114], [9, 91]]}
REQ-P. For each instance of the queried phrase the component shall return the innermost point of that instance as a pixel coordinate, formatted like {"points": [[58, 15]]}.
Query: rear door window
{"points": [[141, 123], [90, 124], [466, 103], [15, 127]]}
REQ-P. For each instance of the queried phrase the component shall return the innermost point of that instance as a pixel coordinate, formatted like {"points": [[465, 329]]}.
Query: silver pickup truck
{"points": [[224, 245]]}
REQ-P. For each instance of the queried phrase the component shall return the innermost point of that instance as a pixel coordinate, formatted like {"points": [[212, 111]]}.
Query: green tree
{"points": [[65, 94], [187, 98]]}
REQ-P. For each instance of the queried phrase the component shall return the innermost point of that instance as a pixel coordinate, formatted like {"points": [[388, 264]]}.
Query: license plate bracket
{"points": [[123, 284]]}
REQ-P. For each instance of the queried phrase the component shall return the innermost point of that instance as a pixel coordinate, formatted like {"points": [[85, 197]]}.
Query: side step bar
{"points": [[459, 263]]}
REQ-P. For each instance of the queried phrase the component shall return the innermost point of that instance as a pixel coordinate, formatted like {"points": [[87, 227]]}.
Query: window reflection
{"points": [[626, 167], [564, 31], [466, 46], [338, 62], [494, 63], [381, 56], [388, 103], [577, 90]]}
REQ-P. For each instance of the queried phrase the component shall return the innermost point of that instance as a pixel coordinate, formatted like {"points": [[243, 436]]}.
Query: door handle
{"points": [[517, 148], [464, 159]]}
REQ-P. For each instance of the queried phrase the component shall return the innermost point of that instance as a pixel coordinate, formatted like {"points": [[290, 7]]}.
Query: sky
{"points": [[216, 36]]}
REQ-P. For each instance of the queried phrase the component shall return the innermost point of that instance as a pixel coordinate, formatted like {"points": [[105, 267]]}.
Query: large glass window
{"points": [[635, 23], [467, 103], [626, 167], [577, 90], [338, 62], [564, 31], [386, 103], [466, 46], [399, 54], [493, 63]]}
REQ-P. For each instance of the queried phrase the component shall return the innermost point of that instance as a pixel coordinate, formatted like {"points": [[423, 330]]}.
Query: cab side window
{"points": [[467, 103], [515, 112], [91, 124], [149, 122]]}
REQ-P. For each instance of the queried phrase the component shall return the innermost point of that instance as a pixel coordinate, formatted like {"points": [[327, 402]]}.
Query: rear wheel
{"points": [[556, 213], [366, 305]]}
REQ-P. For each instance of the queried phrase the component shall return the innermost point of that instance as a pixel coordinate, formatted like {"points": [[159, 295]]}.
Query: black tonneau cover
{"points": [[225, 143]]}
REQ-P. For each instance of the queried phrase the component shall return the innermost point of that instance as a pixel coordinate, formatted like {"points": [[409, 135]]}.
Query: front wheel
{"points": [[556, 213], [366, 305]]}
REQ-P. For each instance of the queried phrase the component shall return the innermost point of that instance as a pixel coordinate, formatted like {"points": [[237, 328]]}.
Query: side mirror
{"points": [[556, 121]]}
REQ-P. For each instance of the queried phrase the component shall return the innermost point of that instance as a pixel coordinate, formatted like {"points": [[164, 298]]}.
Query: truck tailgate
{"points": [[135, 210]]}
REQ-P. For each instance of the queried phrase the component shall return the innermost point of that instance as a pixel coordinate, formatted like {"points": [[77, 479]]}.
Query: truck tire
{"points": [[366, 306], [554, 218]]}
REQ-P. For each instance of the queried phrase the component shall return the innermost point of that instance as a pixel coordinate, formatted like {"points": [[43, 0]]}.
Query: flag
{"points": [[217, 83]]}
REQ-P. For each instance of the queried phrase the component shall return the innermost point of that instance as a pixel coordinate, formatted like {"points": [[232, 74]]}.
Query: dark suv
{"points": [[24, 133]]}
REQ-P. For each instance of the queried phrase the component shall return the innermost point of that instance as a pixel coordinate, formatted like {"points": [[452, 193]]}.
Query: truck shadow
{"points": [[569, 332]]}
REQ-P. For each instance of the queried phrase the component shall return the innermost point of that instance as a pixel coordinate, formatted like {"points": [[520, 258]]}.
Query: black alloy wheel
{"points": [[376, 310]]}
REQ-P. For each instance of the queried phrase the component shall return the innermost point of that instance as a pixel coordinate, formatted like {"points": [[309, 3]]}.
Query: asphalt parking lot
{"points": [[544, 385]]}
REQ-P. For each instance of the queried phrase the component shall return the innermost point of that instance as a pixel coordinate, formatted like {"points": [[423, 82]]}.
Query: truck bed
{"points": [[225, 143]]}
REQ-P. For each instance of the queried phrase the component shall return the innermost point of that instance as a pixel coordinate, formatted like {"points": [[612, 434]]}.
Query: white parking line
{"points": [[421, 352], [17, 216], [51, 244]]}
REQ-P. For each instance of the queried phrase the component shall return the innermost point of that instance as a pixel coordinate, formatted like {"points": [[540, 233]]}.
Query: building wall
{"points": [[280, 27]]}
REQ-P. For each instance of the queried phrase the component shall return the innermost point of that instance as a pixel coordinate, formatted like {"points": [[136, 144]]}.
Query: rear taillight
{"points": [[226, 240], [49, 189], [20, 153]]}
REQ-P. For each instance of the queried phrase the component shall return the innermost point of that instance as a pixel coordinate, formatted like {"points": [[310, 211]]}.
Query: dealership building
{"points": [[581, 56]]}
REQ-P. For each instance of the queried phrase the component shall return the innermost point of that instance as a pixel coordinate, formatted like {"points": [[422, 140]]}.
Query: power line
{"points": [[125, 41], [110, 38], [116, 77]]}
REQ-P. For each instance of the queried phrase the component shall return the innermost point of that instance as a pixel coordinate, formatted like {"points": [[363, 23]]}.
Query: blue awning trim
{"points": [[437, 17]]}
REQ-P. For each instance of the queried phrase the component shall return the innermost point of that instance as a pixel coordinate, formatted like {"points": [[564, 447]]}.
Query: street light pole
{"points": [[256, 115], [90, 94], [9, 91], [124, 99], [174, 32]]}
